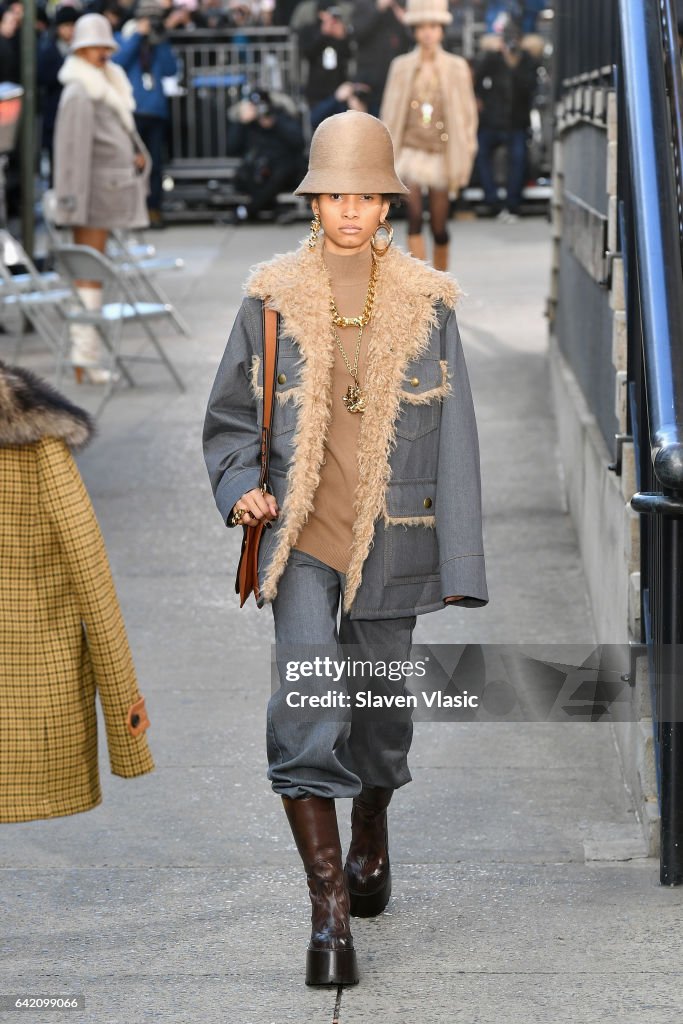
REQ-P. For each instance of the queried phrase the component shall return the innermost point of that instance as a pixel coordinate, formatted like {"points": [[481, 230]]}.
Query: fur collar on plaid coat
{"points": [[62, 637], [31, 409]]}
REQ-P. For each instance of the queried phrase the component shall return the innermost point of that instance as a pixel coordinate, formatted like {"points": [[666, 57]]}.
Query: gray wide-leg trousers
{"points": [[333, 752]]}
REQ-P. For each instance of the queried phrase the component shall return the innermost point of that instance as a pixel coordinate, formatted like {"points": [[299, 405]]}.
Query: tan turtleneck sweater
{"points": [[327, 534]]}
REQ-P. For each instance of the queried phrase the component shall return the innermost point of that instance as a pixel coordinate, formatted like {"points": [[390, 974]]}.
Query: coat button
{"points": [[415, 381], [282, 378], [427, 503]]}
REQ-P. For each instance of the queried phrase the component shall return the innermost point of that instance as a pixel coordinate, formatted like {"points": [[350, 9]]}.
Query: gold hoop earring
{"points": [[384, 225], [314, 232]]}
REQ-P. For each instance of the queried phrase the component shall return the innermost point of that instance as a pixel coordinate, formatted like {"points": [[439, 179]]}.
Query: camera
{"points": [[261, 100]]}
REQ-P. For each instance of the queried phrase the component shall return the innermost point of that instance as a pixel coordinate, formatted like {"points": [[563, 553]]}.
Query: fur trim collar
{"points": [[408, 292], [110, 85], [31, 409]]}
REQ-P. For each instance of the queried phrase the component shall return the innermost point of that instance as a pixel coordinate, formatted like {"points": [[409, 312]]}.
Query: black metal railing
{"points": [[633, 46], [650, 93], [585, 38]]}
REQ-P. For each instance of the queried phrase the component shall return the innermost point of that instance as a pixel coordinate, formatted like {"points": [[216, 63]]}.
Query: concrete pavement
{"points": [[521, 889]]}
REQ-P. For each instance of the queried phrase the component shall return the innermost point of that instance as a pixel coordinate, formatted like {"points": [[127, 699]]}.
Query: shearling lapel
{"points": [[297, 285]]}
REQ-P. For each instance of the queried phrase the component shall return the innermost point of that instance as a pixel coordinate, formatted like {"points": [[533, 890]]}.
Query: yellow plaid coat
{"points": [[62, 637]]}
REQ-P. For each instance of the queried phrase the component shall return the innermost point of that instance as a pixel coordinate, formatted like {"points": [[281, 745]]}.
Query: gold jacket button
{"points": [[427, 503], [282, 378], [415, 381]]}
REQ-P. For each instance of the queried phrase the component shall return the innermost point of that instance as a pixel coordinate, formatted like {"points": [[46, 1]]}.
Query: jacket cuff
{"points": [[137, 720], [231, 489], [464, 575]]}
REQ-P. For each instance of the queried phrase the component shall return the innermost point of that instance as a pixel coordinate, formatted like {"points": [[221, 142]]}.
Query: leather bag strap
{"points": [[270, 348]]}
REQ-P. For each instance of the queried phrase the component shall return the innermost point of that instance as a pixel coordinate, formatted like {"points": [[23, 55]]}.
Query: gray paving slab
{"points": [[521, 893]]}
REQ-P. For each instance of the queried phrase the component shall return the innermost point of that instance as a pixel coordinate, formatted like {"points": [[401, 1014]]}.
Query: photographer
{"points": [[147, 57], [272, 143], [504, 85], [380, 35], [327, 49]]}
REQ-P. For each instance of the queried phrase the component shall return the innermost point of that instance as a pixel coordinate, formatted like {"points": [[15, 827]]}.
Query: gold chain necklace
{"points": [[355, 399], [357, 321]]}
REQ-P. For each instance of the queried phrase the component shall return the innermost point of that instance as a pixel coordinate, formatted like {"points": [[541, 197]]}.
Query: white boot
{"points": [[87, 351]]}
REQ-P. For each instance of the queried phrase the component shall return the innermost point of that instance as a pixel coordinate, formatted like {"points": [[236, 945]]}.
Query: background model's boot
{"points": [[441, 257], [416, 246], [330, 958], [87, 351], [367, 867]]}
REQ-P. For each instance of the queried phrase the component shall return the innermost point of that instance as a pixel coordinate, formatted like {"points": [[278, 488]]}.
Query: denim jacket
{"points": [[417, 536]]}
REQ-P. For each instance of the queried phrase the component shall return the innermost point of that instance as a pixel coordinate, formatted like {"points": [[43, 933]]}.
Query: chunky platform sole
{"points": [[331, 967], [370, 904]]}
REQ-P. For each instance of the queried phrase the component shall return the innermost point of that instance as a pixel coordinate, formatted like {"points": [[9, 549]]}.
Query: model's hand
{"points": [[140, 160], [450, 600], [144, 26], [258, 506]]}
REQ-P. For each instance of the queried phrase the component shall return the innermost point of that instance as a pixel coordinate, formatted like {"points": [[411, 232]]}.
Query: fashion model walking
{"points": [[376, 510], [430, 109]]}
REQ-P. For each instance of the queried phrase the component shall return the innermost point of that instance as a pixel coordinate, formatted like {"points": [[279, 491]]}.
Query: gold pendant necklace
{"points": [[427, 86], [355, 398]]}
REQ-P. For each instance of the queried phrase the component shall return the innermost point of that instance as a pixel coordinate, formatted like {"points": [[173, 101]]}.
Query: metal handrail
{"points": [[651, 190], [657, 236]]}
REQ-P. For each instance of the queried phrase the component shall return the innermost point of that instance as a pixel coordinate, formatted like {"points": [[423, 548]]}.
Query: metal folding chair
{"points": [[37, 296], [120, 307], [142, 263], [137, 259]]}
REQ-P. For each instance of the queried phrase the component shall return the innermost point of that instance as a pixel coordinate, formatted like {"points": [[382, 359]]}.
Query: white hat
{"points": [[420, 11], [93, 30]]}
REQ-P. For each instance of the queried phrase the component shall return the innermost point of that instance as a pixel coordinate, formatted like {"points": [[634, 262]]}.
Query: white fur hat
{"points": [[93, 30]]}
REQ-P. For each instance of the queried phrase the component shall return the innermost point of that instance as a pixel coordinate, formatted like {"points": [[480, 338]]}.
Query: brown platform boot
{"points": [[367, 867], [416, 247], [440, 259], [330, 958]]}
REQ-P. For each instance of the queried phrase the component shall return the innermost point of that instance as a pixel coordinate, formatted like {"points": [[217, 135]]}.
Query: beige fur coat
{"points": [[460, 104]]}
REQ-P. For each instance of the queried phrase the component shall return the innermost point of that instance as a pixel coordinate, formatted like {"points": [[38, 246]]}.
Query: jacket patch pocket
{"points": [[287, 391], [425, 382], [411, 551]]}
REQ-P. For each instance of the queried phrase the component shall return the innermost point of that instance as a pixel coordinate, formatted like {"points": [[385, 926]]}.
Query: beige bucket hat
{"points": [[420, 11], [351, 153], [92, 30]]}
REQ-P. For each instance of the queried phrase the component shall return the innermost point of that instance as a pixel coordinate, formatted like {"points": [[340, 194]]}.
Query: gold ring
{"points": [[237, 515]]}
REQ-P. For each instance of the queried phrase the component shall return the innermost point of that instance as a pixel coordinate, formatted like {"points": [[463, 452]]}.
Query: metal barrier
{"points": [[215, 68], [651, 89], [631, 47]]}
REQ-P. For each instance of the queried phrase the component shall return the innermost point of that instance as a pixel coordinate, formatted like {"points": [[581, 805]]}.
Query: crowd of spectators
{"points": [[346, 47]]}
